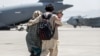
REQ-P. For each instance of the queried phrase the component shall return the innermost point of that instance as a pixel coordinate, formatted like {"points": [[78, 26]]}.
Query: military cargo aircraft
{"points": [[81, 21], [15, 15]]}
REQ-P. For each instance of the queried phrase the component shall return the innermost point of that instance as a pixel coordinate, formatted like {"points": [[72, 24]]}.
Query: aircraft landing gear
{"points": [[74, 26]]}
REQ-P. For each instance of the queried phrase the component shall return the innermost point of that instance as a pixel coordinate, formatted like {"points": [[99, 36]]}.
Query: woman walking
{"points": [[33, 41]]}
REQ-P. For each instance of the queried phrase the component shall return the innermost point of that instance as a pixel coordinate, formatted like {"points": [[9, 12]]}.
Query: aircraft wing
{"points": [[50, 0]]}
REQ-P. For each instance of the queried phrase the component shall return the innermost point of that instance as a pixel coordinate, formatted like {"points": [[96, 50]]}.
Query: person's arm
{"points": [[29, 23], [32, 22], [57, 21]]}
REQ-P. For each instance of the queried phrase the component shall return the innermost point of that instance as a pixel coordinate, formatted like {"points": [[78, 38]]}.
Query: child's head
{"points": [[59, 14], [36, 13]]}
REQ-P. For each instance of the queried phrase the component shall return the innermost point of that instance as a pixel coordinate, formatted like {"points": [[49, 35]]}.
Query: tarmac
{"points": [[81, 41]]}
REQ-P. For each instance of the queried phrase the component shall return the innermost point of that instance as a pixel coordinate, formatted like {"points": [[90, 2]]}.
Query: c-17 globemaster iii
{"points": [[15, 15], [81, 21]]}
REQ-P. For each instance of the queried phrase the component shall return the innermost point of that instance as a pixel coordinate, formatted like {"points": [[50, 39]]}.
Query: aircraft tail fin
{"points": [[50, 0]]}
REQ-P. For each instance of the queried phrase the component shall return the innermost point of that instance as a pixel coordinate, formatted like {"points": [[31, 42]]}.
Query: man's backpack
{"points": [[45, 31]]}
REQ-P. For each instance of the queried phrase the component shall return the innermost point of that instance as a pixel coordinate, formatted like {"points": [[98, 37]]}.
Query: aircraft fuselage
{"points": [[16, 14]]}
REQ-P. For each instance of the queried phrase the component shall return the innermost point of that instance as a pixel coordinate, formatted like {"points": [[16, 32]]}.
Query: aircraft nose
{"points": [[65, 6]]}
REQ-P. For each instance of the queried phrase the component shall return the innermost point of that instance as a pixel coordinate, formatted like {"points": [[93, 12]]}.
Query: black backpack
{"points": [[45, 31]]}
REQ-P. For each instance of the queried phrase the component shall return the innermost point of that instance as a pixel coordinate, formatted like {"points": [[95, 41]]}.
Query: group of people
{"points": [[36, 46]]}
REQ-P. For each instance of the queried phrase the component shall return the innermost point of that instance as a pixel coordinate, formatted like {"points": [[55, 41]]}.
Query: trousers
{"points": [[49, 47]]}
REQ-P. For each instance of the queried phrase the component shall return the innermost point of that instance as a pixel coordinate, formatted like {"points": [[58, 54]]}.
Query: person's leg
{"points": [[45, 48], [37, 51], [44, 52], [32, 54], [54, 52], [51, 52], [54, 49]]}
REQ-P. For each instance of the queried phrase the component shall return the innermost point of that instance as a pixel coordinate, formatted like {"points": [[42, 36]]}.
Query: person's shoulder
{"points": [[54, 15]]}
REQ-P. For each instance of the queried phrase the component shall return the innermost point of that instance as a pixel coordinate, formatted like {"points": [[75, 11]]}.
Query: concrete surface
{"points": [[73, 42]]}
